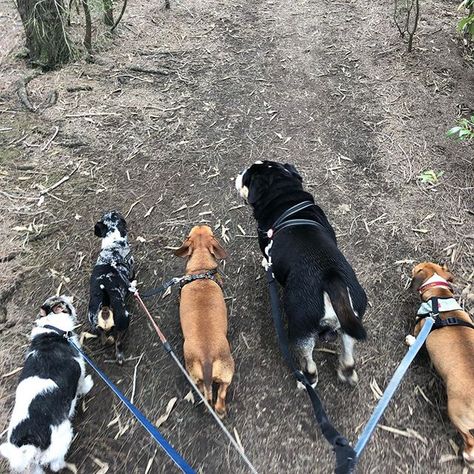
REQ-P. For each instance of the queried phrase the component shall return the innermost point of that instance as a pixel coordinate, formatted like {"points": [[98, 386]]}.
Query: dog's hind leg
{"points": [[462, 418], [220, 402], [346, 371], [119, 347], [61, 437], [222, 373], [303, 349]]}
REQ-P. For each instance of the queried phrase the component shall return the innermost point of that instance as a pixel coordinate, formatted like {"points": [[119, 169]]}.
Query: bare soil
{"points": [[325, 85]]}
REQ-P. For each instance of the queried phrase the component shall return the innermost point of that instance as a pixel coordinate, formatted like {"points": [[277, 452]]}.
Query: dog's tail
{"points": [[21, 458], [338, 293], [207, 380]]}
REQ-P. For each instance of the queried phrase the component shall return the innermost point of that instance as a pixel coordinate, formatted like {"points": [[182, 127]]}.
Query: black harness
{"points": [[441, 323], [184, 280], [345, 454]]}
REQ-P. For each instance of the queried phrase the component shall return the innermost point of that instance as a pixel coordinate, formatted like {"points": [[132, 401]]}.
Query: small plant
{"points": [[430, 176], [464, 131], [406, 16], [466, 24]]}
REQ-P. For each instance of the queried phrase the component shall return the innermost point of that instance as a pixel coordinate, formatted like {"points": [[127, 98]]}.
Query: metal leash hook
{"points": [[169, 349]]}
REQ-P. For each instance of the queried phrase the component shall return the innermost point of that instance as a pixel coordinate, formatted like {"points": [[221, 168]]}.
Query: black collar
{"points": [[282, 222], [441, 323], [209, 275], [59, 332]]}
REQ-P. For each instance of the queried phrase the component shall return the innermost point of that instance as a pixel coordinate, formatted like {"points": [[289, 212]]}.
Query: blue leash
{"points": [[156, 435], [393, 385]]}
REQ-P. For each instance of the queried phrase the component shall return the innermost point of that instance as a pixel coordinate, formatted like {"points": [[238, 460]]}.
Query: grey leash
{"points": [[168, 348]]}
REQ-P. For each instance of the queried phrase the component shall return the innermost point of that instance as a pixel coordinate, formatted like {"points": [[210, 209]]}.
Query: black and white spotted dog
{"points": [[52, 379], [321, 293], [110, 282]]}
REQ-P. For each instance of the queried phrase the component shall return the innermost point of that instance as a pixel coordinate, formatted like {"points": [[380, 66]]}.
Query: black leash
{"points": [[345, 455]]}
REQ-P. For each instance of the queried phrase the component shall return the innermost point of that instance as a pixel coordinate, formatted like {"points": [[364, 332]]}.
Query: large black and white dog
{"points": [[321, 291], [110, 282], [52, 379]]}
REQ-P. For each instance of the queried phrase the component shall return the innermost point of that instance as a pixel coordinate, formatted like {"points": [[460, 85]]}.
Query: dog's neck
{"points": [[200, 260], [267, 211], [63, 321], [114, 239], [434, 286]]}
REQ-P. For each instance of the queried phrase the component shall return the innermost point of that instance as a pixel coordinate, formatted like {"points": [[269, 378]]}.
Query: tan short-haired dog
{"points": [[451, 348], [203, 315]]}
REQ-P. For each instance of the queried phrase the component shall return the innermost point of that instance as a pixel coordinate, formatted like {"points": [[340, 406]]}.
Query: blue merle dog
{"points": [[110, 282]]}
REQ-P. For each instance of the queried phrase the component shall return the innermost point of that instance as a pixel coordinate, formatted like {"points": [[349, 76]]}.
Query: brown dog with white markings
{"points": [[451, 349], [203, 315]]}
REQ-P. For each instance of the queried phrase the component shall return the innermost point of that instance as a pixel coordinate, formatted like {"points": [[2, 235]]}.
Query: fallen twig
{"points": [[134, 385], [161, 72], [56, 185], [22, 91], [46, 145]]}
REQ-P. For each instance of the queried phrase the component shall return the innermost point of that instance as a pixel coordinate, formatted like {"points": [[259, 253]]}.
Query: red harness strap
{"points": [[434, 284]]}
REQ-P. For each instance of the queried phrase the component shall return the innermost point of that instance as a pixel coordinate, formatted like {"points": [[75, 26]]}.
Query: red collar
{"points": [[434, 284]]}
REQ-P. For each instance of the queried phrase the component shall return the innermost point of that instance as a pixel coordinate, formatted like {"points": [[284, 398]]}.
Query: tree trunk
{"points": [[45, 22]]}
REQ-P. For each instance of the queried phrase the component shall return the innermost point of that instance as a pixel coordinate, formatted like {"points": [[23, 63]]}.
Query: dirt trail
{"points": [[320, 84]]}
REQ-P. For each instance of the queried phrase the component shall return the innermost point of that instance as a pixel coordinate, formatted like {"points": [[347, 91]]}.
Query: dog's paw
{"points": [[348, 375], [57, 465], [86, 386], [265, 263], [409, 340], [120, 358]]}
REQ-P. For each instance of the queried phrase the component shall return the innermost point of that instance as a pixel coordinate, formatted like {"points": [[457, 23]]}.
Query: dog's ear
{"points": [[122, 227], [446, 274], [217, 250], [100, 229], [418, 277], [293, 171], [185, 250], [258, 187]]}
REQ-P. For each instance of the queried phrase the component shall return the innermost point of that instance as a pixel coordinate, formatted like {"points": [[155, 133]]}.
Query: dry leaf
{"points": [[237, 439], [166, 415], [190, 397], [454, 446], [376, 389], [149, 211], [447, 458], [71, 467], [104, 467]]}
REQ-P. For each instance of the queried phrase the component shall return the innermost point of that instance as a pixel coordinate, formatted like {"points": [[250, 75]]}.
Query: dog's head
{"points": [[425, 271], [112, 224], [58, 305], [201, 236], [253, 183], [58, 312]]}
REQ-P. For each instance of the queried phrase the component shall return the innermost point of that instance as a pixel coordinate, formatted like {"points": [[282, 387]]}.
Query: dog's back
{"points": [[40, 430], [108, 289], [308, 263]]}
